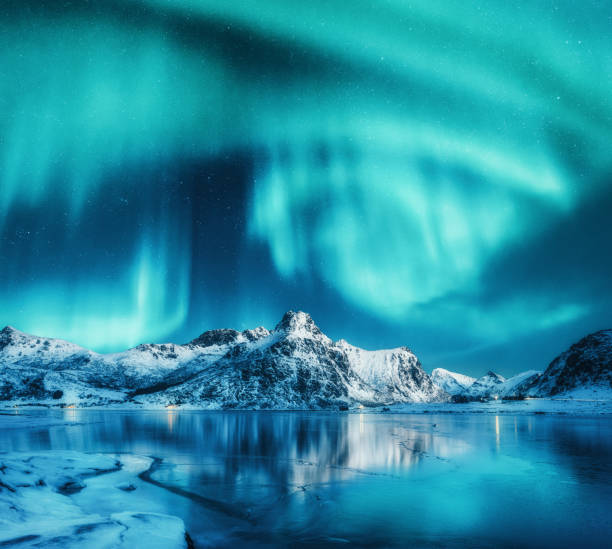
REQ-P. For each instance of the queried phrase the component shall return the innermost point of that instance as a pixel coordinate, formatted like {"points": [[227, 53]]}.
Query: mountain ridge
{"points": [[452, 382], [293, 366]]}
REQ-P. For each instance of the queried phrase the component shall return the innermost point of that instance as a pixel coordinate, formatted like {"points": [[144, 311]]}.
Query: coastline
{"points": [[535, 406]]}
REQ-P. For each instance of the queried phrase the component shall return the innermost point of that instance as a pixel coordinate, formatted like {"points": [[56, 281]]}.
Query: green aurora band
{"points": [[401, 146]]}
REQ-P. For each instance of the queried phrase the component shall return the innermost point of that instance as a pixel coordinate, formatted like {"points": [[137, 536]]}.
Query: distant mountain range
{"points": [[294, 366], [583, 371], [490, 386]]}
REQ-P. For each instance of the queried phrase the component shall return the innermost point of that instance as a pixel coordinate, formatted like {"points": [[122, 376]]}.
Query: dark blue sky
{"points": [[421, 175]]}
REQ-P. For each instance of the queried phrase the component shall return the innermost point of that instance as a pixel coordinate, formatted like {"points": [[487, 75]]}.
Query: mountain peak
{"points": [[451, 382], [223, 336], [6, 335], [256, 333], [297, 322], [494, 375], [587, 361]]}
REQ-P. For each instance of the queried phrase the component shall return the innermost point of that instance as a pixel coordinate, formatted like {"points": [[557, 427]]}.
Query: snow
{"points": [[561, 405], [451, 382], [294, 366], [593, 392], [382, 370], [492, 385], [586, 365], [143, 358], [256, 333], [46, 500], [378, 368], [510, 386], [299, 325], [25, 345], [486, 386]]}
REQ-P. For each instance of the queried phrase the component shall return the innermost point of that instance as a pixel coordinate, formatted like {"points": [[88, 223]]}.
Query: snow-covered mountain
{"points": [[39, 368], [395, 372], [493, 385], [451, 382], [517, 385], [293, 366], [487, 386], [583, 371]]}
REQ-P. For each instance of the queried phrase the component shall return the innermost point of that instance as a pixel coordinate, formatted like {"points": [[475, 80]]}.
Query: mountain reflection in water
{"points": [[303, 478]]}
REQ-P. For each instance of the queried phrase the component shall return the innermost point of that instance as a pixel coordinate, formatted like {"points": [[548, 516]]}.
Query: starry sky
{"points": [[427, 173]]}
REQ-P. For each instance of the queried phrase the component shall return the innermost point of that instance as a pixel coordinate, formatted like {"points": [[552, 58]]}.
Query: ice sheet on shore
{"points": [[43, 502], [579, 405], [576, 403]]}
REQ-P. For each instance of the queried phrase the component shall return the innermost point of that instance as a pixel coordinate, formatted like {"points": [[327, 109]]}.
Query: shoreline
{"points": [[539, 406]]}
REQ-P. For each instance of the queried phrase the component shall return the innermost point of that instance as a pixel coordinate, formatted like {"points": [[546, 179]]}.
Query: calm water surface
{"points": [[367, 480]]}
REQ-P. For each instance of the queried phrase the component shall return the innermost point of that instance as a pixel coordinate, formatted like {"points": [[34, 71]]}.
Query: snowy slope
{"points": [[583, 371], [293, 366], [46, 369], [297, 366], [36, 367], [393, 372], [517, 385], [451, 382], [487, 386]]}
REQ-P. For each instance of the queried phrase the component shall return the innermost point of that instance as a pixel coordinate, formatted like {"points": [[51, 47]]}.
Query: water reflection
{"points": [[270, 479], [497, 432]]}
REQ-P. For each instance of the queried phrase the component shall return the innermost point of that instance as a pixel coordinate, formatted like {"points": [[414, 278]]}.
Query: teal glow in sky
{"points": [[422, 173]]}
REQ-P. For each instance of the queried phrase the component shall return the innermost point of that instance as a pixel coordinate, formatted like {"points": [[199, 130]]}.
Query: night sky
{"points": [[423, 173]]}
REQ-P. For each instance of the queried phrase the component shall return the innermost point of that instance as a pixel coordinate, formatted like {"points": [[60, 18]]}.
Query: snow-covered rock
{"points": [[494, 386], [583, 371], [393, 372], [55, 371], [293, 366], [487, 386], [517, 385], [451, 382], [298, 366]]}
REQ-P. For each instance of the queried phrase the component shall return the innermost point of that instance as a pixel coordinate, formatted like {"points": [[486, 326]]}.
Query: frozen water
{"points": [[51, 499], [263, 479]]}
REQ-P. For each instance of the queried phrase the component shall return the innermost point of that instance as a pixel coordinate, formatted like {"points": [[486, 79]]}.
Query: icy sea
{"points": [[278, 479]]}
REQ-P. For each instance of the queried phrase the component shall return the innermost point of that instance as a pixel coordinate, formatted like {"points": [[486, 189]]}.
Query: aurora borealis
{"points": [[435, 174]]}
